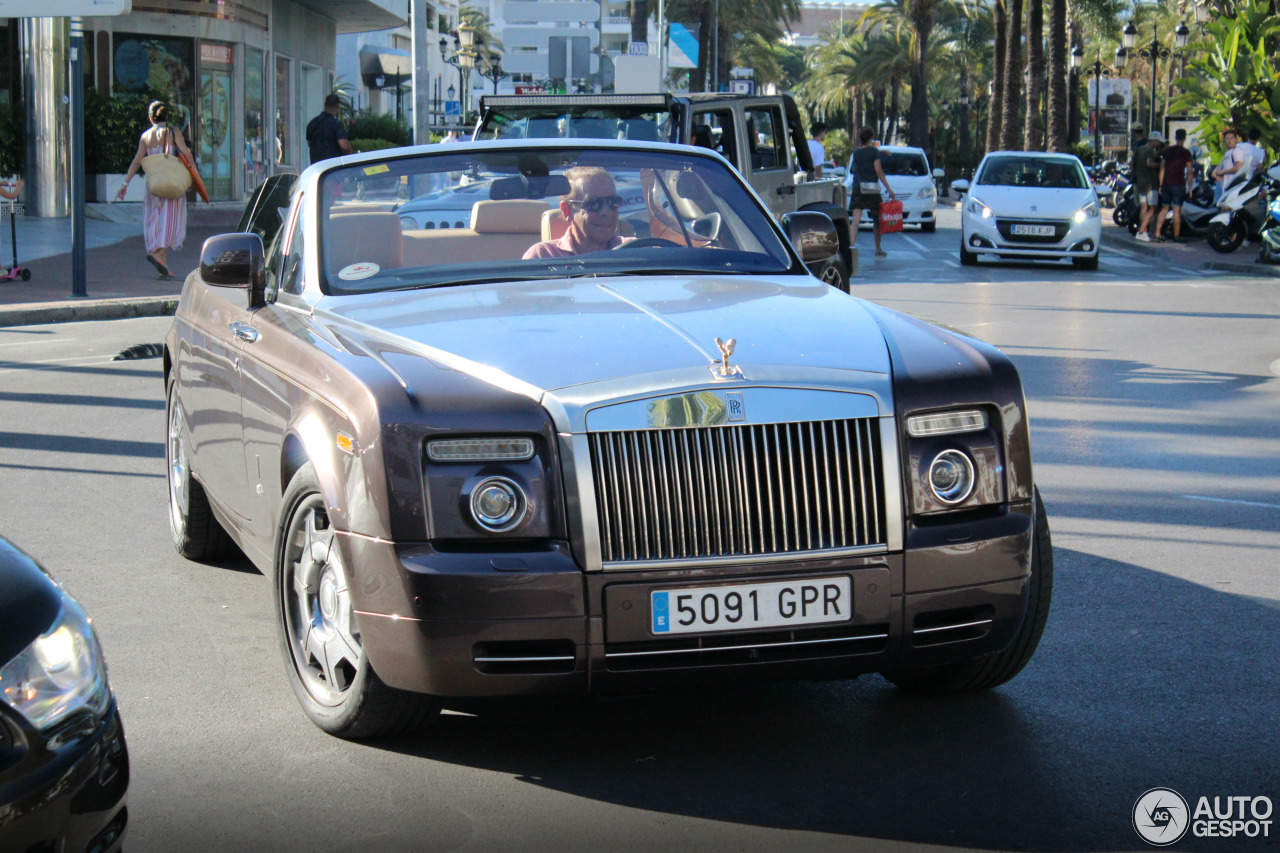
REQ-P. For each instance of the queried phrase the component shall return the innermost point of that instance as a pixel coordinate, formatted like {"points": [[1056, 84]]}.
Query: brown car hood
{"points": [[541, 336]]}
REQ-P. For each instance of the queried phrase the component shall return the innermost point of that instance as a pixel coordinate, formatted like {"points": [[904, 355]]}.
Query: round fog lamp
{"points": [[951, 476], [497, 504]]}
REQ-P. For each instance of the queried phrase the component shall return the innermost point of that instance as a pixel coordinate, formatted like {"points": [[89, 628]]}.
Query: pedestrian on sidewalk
{"points": [[326, 135], [868, 176], [164, 220], [1146, 177], [1176, 175], [1257, 158], [1232, 162]]}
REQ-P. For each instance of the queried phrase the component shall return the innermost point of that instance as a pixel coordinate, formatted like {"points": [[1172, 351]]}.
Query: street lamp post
{"points": [[463, 59], [1098, 72], [1155, 51], [493, 71]]}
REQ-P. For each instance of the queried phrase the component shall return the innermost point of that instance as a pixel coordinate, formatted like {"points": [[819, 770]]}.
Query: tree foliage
{"points": [[1233, 79]]}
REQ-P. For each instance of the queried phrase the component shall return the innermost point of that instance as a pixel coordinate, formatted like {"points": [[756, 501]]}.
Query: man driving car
{"points": [[591, 209]]}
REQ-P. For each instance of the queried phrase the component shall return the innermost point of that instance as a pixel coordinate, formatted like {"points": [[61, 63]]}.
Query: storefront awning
{"points": [[360, 16], [395, 67]]}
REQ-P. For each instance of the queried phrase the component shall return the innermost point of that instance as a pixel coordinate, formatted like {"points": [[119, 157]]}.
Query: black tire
{"points": [[195, 531], [928, 227], [1090, 263], [967, 258], [991, 671], [835, 273], [1227, 238], [26, 274], [1121, 215], [339, 693]]}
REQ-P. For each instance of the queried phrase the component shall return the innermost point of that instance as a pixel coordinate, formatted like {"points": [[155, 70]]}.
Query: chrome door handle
{"points": [[244, 332]]}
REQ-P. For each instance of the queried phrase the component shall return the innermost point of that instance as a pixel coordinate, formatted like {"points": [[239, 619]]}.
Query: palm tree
{"points": [[1057, 75], [921, 17], [995, 114], [1012, 77], [1033, 135]]}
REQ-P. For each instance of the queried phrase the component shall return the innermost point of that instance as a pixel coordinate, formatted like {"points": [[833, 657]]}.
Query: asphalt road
{"points": [[1154, 398]]}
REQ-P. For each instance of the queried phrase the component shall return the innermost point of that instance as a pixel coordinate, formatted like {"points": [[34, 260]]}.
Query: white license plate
{"points": [[759, 605], [1034, 230]]}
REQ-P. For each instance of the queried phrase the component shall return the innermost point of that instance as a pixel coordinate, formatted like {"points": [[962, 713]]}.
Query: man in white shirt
{"points": [[1232, 162], [1257, 157], [817, 151]]}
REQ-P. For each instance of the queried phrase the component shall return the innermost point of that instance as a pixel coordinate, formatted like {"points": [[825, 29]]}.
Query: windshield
{"points": [[1012, 170], [905, 165], [517, 214], [613, 121]]}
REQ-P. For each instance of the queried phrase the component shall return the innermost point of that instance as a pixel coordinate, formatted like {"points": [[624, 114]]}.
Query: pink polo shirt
{"points": [[565, 247]]}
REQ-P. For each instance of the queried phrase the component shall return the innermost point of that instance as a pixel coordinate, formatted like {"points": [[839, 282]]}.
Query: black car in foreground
{"points": [[64, 767]]}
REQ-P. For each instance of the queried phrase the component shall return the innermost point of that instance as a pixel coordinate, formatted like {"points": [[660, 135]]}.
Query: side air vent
{"points": [[951, 626], [525, 657]]}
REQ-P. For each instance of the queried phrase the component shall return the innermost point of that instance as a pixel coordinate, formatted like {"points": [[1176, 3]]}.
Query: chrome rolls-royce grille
{"points": [[738, 491]]}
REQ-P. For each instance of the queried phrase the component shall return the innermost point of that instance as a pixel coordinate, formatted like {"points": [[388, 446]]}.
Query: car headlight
{"points": [[498, 504], [484, 486], [1089, 211], [976, 206], [951, 476], [60, 674], [927, 192]]}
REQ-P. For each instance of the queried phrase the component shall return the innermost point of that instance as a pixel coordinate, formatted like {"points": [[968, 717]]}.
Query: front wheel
{"points": [[1086, 263], [991, 671], [967, 258], [1227, 238], [836, 274], [1120, 216], [319, 633], [928, 227]]}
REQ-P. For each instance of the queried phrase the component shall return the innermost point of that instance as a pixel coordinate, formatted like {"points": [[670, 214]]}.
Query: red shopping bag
{"points": [[890, 216]]}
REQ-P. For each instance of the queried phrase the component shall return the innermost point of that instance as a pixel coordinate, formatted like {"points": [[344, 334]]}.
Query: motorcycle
{"points": [[1197, 212], [1270, 237], [1127, 208], [1244, 207]]}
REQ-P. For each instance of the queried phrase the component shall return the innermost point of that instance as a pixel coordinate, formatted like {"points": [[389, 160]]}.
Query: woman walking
{"points": [[164, 220]]}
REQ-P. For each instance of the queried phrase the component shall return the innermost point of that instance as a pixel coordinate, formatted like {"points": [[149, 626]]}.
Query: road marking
{"points": [[1231, 501], [913, 241]]}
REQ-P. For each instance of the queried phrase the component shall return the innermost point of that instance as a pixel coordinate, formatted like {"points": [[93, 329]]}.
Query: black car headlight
{"points": [[60, 675], [483, 487], [954, 460]]}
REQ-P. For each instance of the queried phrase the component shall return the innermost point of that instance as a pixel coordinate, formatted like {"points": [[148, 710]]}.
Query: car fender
{"points": [[313, 437]]}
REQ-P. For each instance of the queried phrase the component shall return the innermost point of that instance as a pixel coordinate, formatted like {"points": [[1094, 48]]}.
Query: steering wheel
{"points": [[647, 243]]}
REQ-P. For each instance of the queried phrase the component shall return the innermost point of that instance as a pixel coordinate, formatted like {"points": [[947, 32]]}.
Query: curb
{"points": [[1245, 269], [1129, 244], [78, 312]]}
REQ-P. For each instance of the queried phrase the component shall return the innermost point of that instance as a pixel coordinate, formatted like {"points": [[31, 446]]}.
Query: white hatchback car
{"points": [[907, 171], [1030, 205]]}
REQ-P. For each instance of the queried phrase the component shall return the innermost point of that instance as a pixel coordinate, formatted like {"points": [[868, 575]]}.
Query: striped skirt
{"points": [[164, 222]]}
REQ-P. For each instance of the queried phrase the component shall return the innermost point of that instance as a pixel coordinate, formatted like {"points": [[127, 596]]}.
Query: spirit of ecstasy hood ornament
{"points": [[726, 350]]}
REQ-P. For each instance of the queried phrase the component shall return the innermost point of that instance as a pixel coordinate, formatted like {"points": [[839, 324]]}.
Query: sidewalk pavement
{"points": [[120, 281], [1192, 255]]}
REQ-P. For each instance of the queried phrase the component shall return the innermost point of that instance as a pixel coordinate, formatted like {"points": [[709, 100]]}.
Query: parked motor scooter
{"points": [[1244, 207], [1197, 211], [1270, 236]]}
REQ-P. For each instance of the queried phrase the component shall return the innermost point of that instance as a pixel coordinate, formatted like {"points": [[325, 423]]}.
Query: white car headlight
{"points": [[976, 206], [927, 192], [61, 673], [1089, 211]]}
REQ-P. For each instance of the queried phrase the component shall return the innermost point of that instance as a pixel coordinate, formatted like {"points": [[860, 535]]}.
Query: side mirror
{"points": [[960, 186], [235, 260], [939, 173], [813, 234]]}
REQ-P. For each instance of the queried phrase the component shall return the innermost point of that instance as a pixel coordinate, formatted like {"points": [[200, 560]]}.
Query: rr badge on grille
{"points": [[737, 409]]}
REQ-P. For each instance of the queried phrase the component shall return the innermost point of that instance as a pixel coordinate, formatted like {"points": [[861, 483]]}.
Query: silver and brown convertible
{"points": [[588, 445]]}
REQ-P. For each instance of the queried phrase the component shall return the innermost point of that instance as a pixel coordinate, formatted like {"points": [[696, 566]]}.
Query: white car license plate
{"points": [[759, 605], [1034, 230]]}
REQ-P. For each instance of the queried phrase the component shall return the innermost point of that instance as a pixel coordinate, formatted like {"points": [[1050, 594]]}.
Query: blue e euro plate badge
{"points": [[661, 612]]}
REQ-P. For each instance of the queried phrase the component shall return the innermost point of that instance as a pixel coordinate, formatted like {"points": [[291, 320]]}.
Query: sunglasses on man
{"points": [[595, 205]]}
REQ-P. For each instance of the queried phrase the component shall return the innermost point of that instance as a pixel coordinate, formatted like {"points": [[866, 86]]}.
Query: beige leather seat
{"points": [[352, 238], [500, 230]]}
